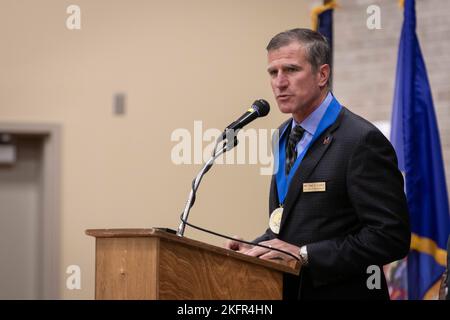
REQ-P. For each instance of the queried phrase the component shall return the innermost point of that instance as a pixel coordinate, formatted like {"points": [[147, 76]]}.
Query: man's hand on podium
{"points": [[269, 254], [264, 253], [237, 245]]}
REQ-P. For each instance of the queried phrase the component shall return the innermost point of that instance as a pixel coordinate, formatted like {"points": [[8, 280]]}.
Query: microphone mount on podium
{"points": [[259, 108], [230, 142]]}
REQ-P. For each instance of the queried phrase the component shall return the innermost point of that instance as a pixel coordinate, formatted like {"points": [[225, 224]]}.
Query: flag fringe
{"points": [[428, 246], [316, 11]]}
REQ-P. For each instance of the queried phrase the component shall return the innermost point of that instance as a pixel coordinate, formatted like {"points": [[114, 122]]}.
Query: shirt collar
{"points": [[311, 123]]}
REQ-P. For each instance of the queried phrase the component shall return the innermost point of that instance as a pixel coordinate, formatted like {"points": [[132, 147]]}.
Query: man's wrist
{"points": [[303, 254]]}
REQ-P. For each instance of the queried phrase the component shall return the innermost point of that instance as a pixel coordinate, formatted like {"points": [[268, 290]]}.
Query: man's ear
{"points": [[324, 74]]}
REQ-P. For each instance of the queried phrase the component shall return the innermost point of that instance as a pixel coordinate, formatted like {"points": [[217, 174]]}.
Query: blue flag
{"points": [[415, 137], [322, 22], [325, 25]]}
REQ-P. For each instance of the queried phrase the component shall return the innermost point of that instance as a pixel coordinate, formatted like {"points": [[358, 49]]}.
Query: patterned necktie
{"points": [[291, 154]]}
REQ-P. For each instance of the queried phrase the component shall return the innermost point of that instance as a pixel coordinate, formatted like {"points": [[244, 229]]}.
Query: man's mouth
{"points": [[283, 97]]}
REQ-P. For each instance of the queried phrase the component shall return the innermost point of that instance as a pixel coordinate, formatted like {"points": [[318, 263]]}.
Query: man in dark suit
{"points": [[337, 200]]}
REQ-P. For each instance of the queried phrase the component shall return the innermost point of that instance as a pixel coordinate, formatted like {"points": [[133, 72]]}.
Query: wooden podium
{"points": [[154, 264]]}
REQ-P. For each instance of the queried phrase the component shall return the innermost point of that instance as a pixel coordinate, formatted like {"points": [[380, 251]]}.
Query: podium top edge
{"points": [[119, 233], [292, 267]]}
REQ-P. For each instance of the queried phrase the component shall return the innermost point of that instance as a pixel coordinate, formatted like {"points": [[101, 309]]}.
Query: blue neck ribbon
{"points": [[283, 181]]}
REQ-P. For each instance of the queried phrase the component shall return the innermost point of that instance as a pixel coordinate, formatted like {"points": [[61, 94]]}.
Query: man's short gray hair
{"points": [[316, 45]]}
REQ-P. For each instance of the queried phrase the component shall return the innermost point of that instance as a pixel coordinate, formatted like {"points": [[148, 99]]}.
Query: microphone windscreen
{"points": [[262, 107]]}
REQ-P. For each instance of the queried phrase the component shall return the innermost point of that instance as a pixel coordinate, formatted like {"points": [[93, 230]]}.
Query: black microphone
{"points": [[259, 108]]}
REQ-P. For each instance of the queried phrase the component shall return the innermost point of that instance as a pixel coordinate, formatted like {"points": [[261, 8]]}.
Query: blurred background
{"points": [[87, 115]]}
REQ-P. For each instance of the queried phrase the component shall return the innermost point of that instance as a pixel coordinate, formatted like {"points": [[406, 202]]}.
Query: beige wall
{"points": [[177, 61]]}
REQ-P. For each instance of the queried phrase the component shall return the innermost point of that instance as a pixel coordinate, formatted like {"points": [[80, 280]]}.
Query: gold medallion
{"points": [[275, 220]]}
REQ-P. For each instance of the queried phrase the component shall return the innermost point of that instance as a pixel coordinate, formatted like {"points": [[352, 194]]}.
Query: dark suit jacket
{"points": [[360, 220]]}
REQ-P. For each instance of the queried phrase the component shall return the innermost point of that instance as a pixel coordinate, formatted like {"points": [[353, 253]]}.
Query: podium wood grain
{"points": [[151, 264], [192, 274], [126, 268]]}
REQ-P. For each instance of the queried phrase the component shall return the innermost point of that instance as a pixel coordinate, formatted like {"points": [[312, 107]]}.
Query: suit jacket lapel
{"points": [[309, 162]]}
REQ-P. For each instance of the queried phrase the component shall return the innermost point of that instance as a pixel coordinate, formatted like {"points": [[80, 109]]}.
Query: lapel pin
{"points": [[326, 140]]}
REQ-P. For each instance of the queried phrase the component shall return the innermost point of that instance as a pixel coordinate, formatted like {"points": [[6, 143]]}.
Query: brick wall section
{"points": [[365, 60]]}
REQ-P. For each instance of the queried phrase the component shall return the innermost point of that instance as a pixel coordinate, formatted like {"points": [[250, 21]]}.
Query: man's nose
{"points": [[281, 81]]}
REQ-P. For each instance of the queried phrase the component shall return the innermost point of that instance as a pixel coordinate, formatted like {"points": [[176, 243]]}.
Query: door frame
{"points": [[50, 222]]}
